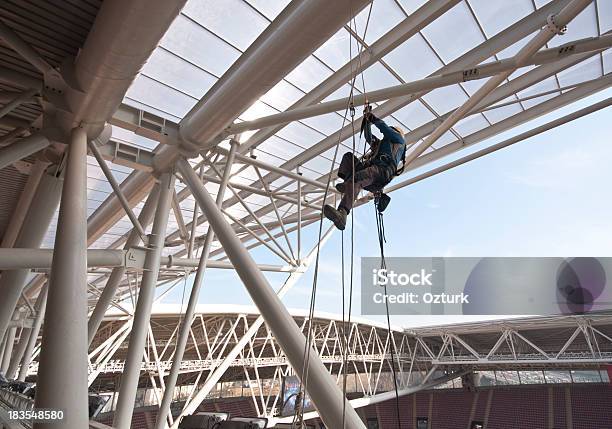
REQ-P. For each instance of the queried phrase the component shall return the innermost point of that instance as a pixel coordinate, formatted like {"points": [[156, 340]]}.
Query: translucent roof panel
{"points": [[497, 16], [411, 6], [172, 70], [309, 74], [227, 20], [607, 59], [414, 114], [336, 50], [446, 98], [269, 8], [413, 59], [501, 113], [604, 10], [282, 95], [384, 16], [376, 77], [454, 33], [543, 86], [586, 70], [471, 124], [186, 39], [162, 97]]}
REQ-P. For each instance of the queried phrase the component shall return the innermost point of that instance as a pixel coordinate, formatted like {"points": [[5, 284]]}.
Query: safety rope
{"points": [[380, 227], [299, 411]]}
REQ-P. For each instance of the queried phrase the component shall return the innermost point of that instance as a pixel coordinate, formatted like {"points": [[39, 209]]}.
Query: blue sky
{"points": [[546, 196]]}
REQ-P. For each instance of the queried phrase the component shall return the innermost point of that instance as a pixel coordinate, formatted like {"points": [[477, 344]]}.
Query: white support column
{"points": [[193, 301], [41, 306], [142, 315], [321, 387], [108, 294], [62, 371]]}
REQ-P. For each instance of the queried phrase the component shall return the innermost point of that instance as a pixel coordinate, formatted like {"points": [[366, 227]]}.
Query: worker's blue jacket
{"points": [[390, 149]]}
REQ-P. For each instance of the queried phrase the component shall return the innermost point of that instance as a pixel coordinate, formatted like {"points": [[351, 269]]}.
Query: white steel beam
{"points": [[183, 334], [427, 84], [556, 23], [277, 51], [322, 389], [227, 361], [403, 31], [22, 148]]}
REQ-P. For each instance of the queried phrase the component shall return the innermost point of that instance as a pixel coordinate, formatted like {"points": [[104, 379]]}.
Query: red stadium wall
{"points": [[578, 406], [587, 406]]}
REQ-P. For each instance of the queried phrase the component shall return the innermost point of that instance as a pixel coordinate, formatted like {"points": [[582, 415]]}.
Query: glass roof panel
{"points": [[511, 50], [376, 77], [308, 74], [269, 8], [495, 16], [586, 70], [153, 93], [282, 95], [454, 33], [257, 110], [471, 124], [607, 58], [410, 6], [413, 59], [300, 134], [584, 25], [232, 20], [604, 10], [176, 72], [385, 15], [335, 51], [327, 124], [543, 86], [446, 98], [281, 148], [414, 115], [186, 39], [501, 113]]}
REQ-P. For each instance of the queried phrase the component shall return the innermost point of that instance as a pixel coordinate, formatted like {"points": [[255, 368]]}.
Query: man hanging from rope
{"points": [[373, 172]]}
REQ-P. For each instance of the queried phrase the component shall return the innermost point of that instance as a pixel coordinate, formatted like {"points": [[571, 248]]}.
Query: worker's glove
{"points": [[369, 116]]}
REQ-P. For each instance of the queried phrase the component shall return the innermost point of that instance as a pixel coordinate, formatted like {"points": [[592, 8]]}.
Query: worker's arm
{"points": [[393, 136], [367, 133]]}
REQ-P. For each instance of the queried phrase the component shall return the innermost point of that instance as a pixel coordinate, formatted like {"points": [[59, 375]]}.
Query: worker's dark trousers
{"points": [[363, 178]]}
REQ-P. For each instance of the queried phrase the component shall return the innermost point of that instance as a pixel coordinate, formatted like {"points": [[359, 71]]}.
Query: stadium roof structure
{"points": [[166, 105]]}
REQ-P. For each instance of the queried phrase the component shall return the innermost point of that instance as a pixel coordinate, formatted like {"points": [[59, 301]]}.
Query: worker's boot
{"points": [[338, 217], [341, 187]]}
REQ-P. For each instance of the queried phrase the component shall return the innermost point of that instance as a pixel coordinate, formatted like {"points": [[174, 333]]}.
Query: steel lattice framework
{"points": [[118, 180]]}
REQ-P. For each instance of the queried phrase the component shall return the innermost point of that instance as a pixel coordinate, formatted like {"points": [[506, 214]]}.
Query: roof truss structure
{"points": [[223, 144]]}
